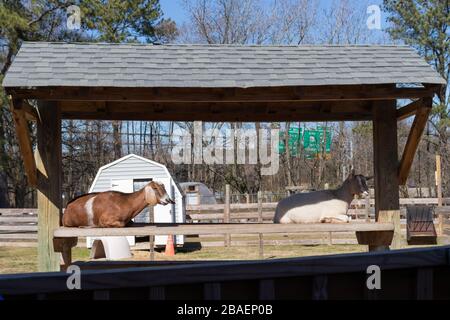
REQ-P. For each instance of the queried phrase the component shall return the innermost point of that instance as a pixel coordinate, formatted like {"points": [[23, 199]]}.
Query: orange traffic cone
{"points": [[170, 250]]}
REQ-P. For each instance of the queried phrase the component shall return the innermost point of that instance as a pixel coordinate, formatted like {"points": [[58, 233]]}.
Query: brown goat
{"points": [[113, 209]]}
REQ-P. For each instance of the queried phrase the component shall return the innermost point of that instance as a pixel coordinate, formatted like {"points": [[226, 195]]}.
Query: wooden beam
{"points": [[262, 94], [28, 109], [224, 111], [222, 117], [24, 140], [387, 206], [409, 110], [412, 143], [218, 228], [48, 158]]}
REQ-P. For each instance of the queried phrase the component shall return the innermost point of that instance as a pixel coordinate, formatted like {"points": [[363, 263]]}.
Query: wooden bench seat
{"points": [[376, 235]]}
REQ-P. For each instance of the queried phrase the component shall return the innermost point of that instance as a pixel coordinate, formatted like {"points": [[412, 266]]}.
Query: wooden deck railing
{"points": [[405, 274]]}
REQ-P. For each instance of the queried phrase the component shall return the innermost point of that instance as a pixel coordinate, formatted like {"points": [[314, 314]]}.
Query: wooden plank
{"points": [[255, 243], [228, 271], [19, 244], [18, 236], [272, 205], [218, 228], [409, 110], [48, 158], [320, 287], [266, 216], [19, 220], [424, 284], [385, 166], [24, 140], [218, 117], [262, 94], [18, 211], [277, 107], [412, 143], [266, 289], [212, 291], [18, 228], [376, 240], [223, 111]]}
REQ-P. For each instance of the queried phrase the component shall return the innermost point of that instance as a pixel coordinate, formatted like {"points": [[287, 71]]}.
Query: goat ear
{"points": [[369, 178]]}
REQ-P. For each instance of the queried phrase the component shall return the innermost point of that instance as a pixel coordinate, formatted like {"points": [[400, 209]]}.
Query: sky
{"points": [[174, 9]]}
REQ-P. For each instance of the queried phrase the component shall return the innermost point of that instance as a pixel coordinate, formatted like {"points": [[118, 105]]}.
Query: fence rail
{"points": [[18, 226]]}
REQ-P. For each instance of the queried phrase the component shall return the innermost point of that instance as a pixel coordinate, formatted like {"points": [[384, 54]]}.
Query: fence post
{"points": [[439, 194], [151, 238], [260, 220], [226, 213], [367, 208]]}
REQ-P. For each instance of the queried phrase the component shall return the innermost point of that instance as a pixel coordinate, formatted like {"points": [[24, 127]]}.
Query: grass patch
{"points": [[18, 260]]}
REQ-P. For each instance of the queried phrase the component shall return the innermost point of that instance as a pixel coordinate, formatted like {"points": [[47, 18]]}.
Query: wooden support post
{"points": [[387, 203], [367, 208], [24, 140], [417, 128], [226, 214], [48, 163], [439, 194], [64, 246]]}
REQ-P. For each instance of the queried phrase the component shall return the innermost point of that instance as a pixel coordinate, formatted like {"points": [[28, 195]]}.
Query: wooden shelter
{"points": [[49, 82]]}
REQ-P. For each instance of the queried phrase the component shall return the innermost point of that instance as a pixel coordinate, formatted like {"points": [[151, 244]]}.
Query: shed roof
{"points": [[135, 156], [41, 64]]}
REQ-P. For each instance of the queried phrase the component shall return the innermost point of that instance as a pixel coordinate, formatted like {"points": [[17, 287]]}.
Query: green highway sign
{"points": [[313, 141]]}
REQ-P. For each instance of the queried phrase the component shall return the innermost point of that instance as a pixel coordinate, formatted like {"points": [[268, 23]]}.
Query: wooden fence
{"points": [[263, 212], [406, 274], [18, 227]]}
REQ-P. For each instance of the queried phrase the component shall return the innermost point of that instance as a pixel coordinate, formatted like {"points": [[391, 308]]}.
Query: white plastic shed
{"points": [[129, 174]]}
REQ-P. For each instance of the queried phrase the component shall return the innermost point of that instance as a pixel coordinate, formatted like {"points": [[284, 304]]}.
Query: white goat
{"points": [[323, 205]]}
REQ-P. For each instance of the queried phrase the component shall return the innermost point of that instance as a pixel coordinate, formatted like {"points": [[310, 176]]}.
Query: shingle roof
{"points": [[40, 64]]}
